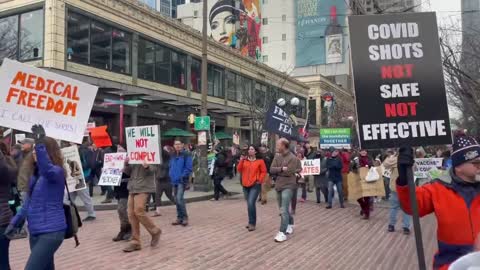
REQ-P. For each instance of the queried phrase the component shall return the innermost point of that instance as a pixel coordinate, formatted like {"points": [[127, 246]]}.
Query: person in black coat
{"points": [[219, 172], [163, 183], [334, 166], [121, 194]]}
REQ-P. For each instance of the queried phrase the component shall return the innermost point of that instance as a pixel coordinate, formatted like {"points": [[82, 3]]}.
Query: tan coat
{"points": [[390, 163]]}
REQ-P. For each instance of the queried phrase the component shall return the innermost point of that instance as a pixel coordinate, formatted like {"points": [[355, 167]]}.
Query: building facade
{"points": [[387, 6], [470, 59], [132, 52]]}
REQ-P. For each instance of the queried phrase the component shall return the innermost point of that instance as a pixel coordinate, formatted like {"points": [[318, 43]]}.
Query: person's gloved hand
{"points": [[404, 163], [9, 231], [38, 133]]}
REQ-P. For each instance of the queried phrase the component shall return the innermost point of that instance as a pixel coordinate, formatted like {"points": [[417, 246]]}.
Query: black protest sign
{"points": [[277, 121], [399, 86]]}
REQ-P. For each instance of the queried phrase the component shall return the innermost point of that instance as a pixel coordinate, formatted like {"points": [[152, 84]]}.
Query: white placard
{"points": [[202, 138], [143, 143], [236, 139], [424, 165], [19, 137], [264, 139], [32, 95], [387, 173], [310, 167], [112, 169], [73, 168], [87, 130]]}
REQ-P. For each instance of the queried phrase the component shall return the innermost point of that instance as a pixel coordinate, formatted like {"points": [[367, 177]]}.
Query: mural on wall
{"points": [[237, 24], [320, 32]]}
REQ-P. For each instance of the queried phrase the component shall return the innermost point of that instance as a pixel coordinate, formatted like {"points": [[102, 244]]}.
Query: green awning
{"points": [[223, 136], [176, 132]]}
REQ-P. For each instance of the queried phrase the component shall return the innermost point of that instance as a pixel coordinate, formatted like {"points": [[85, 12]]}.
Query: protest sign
{"points": [[32, 95], [398, 75], [278, 122], [90, 125], [338, 138], [423, 166], [19, 137], [73, 168], [236, 138], [112, 169], [143, 143], [358, 187], [202, 138], [100, 136], [310, 167], [264, 139]]}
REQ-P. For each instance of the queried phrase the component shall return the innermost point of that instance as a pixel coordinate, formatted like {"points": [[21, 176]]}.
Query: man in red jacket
{"points": [[345, 155], [454, 199]]}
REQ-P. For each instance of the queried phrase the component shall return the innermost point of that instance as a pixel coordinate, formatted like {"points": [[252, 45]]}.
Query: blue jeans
{"points": [[4, 245], [331, 192], [284, 198], [42, 250], [394, 207], [179, 191], [251, 195]]}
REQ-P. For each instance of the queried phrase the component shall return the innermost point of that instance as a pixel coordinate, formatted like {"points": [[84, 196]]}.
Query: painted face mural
{"points": [[237, 25]]}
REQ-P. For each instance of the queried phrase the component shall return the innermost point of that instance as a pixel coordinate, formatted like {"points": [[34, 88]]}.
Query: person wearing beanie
{"points": [[454, 198]]}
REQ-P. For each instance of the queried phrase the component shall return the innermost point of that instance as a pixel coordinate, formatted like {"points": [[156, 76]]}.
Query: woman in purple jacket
{"points": [[43, 207]]}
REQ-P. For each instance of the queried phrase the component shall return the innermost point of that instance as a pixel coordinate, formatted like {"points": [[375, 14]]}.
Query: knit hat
{"points": [[465, 149]]}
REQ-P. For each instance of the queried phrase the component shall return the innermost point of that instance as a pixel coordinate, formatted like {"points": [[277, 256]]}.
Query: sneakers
{"points": [[406, 231], [329, 207], [391, 228], [89, 218], [289, 229], [251, 228], [280, 237], [132, 248]]}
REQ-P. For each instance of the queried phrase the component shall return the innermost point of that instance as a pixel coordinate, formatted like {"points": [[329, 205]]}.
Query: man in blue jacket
{"points": [[180, 170], [334, 166]]}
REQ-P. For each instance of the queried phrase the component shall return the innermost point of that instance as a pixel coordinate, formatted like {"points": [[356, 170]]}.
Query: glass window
{"points": [[146, 59], [230, 82], [260, 94], [121, 44], [215, 81], [284, 18], [150, 3], [178, 69], [196, 75], [240, 89], [100, 45], [31, 35], [265, 59], [265, 21], [284, 56], [77, 38], [247, 91], [312, 111], [162, 64], [8, 37], [284, 37], [265, 40]]}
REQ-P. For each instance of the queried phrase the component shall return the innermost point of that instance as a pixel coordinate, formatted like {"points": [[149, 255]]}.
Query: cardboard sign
{"points": [[19, 137], [73, 168], [423, 166], [310, 167], [34, 96], [100, 136], [398, 75], [358, 187], [112, 169], [338, 138], [90, 125], [143, 143]]}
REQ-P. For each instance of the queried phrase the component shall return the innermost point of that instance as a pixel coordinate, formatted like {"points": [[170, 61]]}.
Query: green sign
{"points": [[335, 137], [202, 123]]}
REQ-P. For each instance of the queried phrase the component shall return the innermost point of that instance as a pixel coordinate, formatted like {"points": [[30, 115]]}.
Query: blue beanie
{"points": [[465, 149]]}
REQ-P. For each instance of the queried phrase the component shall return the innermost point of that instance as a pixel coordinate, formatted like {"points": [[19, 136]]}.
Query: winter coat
{"points": [[8, 172], [345, 156], [253, 172], [456, 205], [43, 206], [321, 180], [285, 179], [24, 173], [334, 166], [180, 168], [220, 169], [142, 180]]}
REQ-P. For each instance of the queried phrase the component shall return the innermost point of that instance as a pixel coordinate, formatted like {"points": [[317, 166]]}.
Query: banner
{"points": [[112, 169], [338, 138], [423, 166], [143, 143], [398, 75], [310, 167], [32, 95], [100, 136], [278, 122], [320, 30], [73, 169]]}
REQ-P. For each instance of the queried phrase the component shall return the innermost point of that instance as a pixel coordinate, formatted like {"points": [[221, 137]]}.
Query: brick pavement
{"points": [[217, 239]]}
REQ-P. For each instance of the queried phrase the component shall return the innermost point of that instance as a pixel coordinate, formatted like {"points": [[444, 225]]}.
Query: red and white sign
{"points": [[310, 167], [143, 144]]}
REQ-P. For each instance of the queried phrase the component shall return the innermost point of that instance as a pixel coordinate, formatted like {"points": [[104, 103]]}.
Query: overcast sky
{"points": [[446, 9]]}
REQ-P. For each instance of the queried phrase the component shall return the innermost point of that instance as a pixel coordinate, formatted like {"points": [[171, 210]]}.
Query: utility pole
{"points": [[201, 176]]}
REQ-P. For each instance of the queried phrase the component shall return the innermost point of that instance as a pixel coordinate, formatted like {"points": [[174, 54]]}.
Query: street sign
{"points": [[202, 123]]}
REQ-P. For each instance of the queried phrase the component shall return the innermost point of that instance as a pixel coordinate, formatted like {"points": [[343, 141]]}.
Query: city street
{"points": [[217, 239]]}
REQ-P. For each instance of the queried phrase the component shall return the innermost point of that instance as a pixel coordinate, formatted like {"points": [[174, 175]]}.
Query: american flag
{"points": [[304, 130]]}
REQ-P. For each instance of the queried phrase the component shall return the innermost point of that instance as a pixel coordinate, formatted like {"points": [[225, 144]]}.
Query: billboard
{"points": [[320, 32], [236, 24]]}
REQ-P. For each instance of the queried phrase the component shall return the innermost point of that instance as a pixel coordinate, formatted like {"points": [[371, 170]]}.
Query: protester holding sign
{"points": [[253, 173], [453, 198], [43, 207]]}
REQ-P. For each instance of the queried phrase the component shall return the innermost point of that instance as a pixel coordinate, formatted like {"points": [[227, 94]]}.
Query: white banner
{"points": [[310, 167], [143, 143], [73, 168], [112, 169], [19, 137], [31, 96], [333, 48], [424, 165]]}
